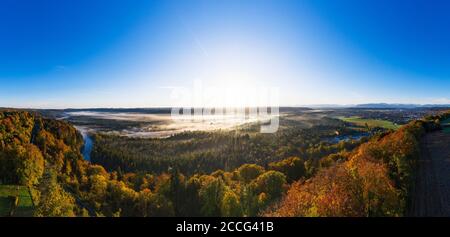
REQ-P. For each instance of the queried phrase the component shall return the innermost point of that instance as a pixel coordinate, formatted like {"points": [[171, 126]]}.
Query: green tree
{"points": [[249, 172], [56, 202], [230, 205], [120, 198], [22, 165], [271, 183], [31, 165], [176, 191], [293, 168], [192, 199], [211, 195], [249, 200], [150, 204]]}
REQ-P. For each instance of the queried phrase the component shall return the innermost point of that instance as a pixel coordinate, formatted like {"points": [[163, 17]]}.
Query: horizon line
{"points": [[320, 105]]}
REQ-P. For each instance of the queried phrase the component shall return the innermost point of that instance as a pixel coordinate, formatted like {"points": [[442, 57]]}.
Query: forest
{"points": [[207, 151], [239, 173]]}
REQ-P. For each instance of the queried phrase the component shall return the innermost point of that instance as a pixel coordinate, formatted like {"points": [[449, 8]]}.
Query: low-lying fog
{"points": [[155, 125]]}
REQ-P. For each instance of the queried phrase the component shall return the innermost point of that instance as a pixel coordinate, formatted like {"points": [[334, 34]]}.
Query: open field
{"points": [[25, 205], [370, 122]]}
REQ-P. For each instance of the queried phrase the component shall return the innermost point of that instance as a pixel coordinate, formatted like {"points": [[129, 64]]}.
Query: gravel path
{"points": [[432, 192]]}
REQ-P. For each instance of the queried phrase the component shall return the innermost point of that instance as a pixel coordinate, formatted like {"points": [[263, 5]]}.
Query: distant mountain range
{"points": [[381, 106], [400, 106]]}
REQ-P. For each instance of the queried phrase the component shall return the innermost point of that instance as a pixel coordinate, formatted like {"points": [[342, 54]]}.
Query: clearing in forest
{"points": [[8, 194], [370, 122]]}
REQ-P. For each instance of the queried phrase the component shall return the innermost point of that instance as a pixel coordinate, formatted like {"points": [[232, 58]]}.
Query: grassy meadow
{"points": [[7, 194], [358, 121]]}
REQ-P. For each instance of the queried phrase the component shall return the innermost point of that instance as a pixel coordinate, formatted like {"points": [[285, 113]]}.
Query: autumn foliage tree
{"points": [[374, 181]]}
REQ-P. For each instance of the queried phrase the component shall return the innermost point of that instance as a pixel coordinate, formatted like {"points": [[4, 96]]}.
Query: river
{"points": [[356, 136], [88, 143]]}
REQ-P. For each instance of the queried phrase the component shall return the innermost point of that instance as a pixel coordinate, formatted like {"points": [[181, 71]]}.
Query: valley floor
{"points": [[432, 191]]}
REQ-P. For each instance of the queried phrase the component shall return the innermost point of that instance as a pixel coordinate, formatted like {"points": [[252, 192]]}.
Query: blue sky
{"points": [[59, 54]]}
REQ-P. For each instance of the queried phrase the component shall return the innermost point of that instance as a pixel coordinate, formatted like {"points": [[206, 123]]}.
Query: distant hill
{"points": [[399, 106], [387, 106]]}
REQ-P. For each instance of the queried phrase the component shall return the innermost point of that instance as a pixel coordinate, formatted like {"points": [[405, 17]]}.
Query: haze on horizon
{"points": [[84, 54]]}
